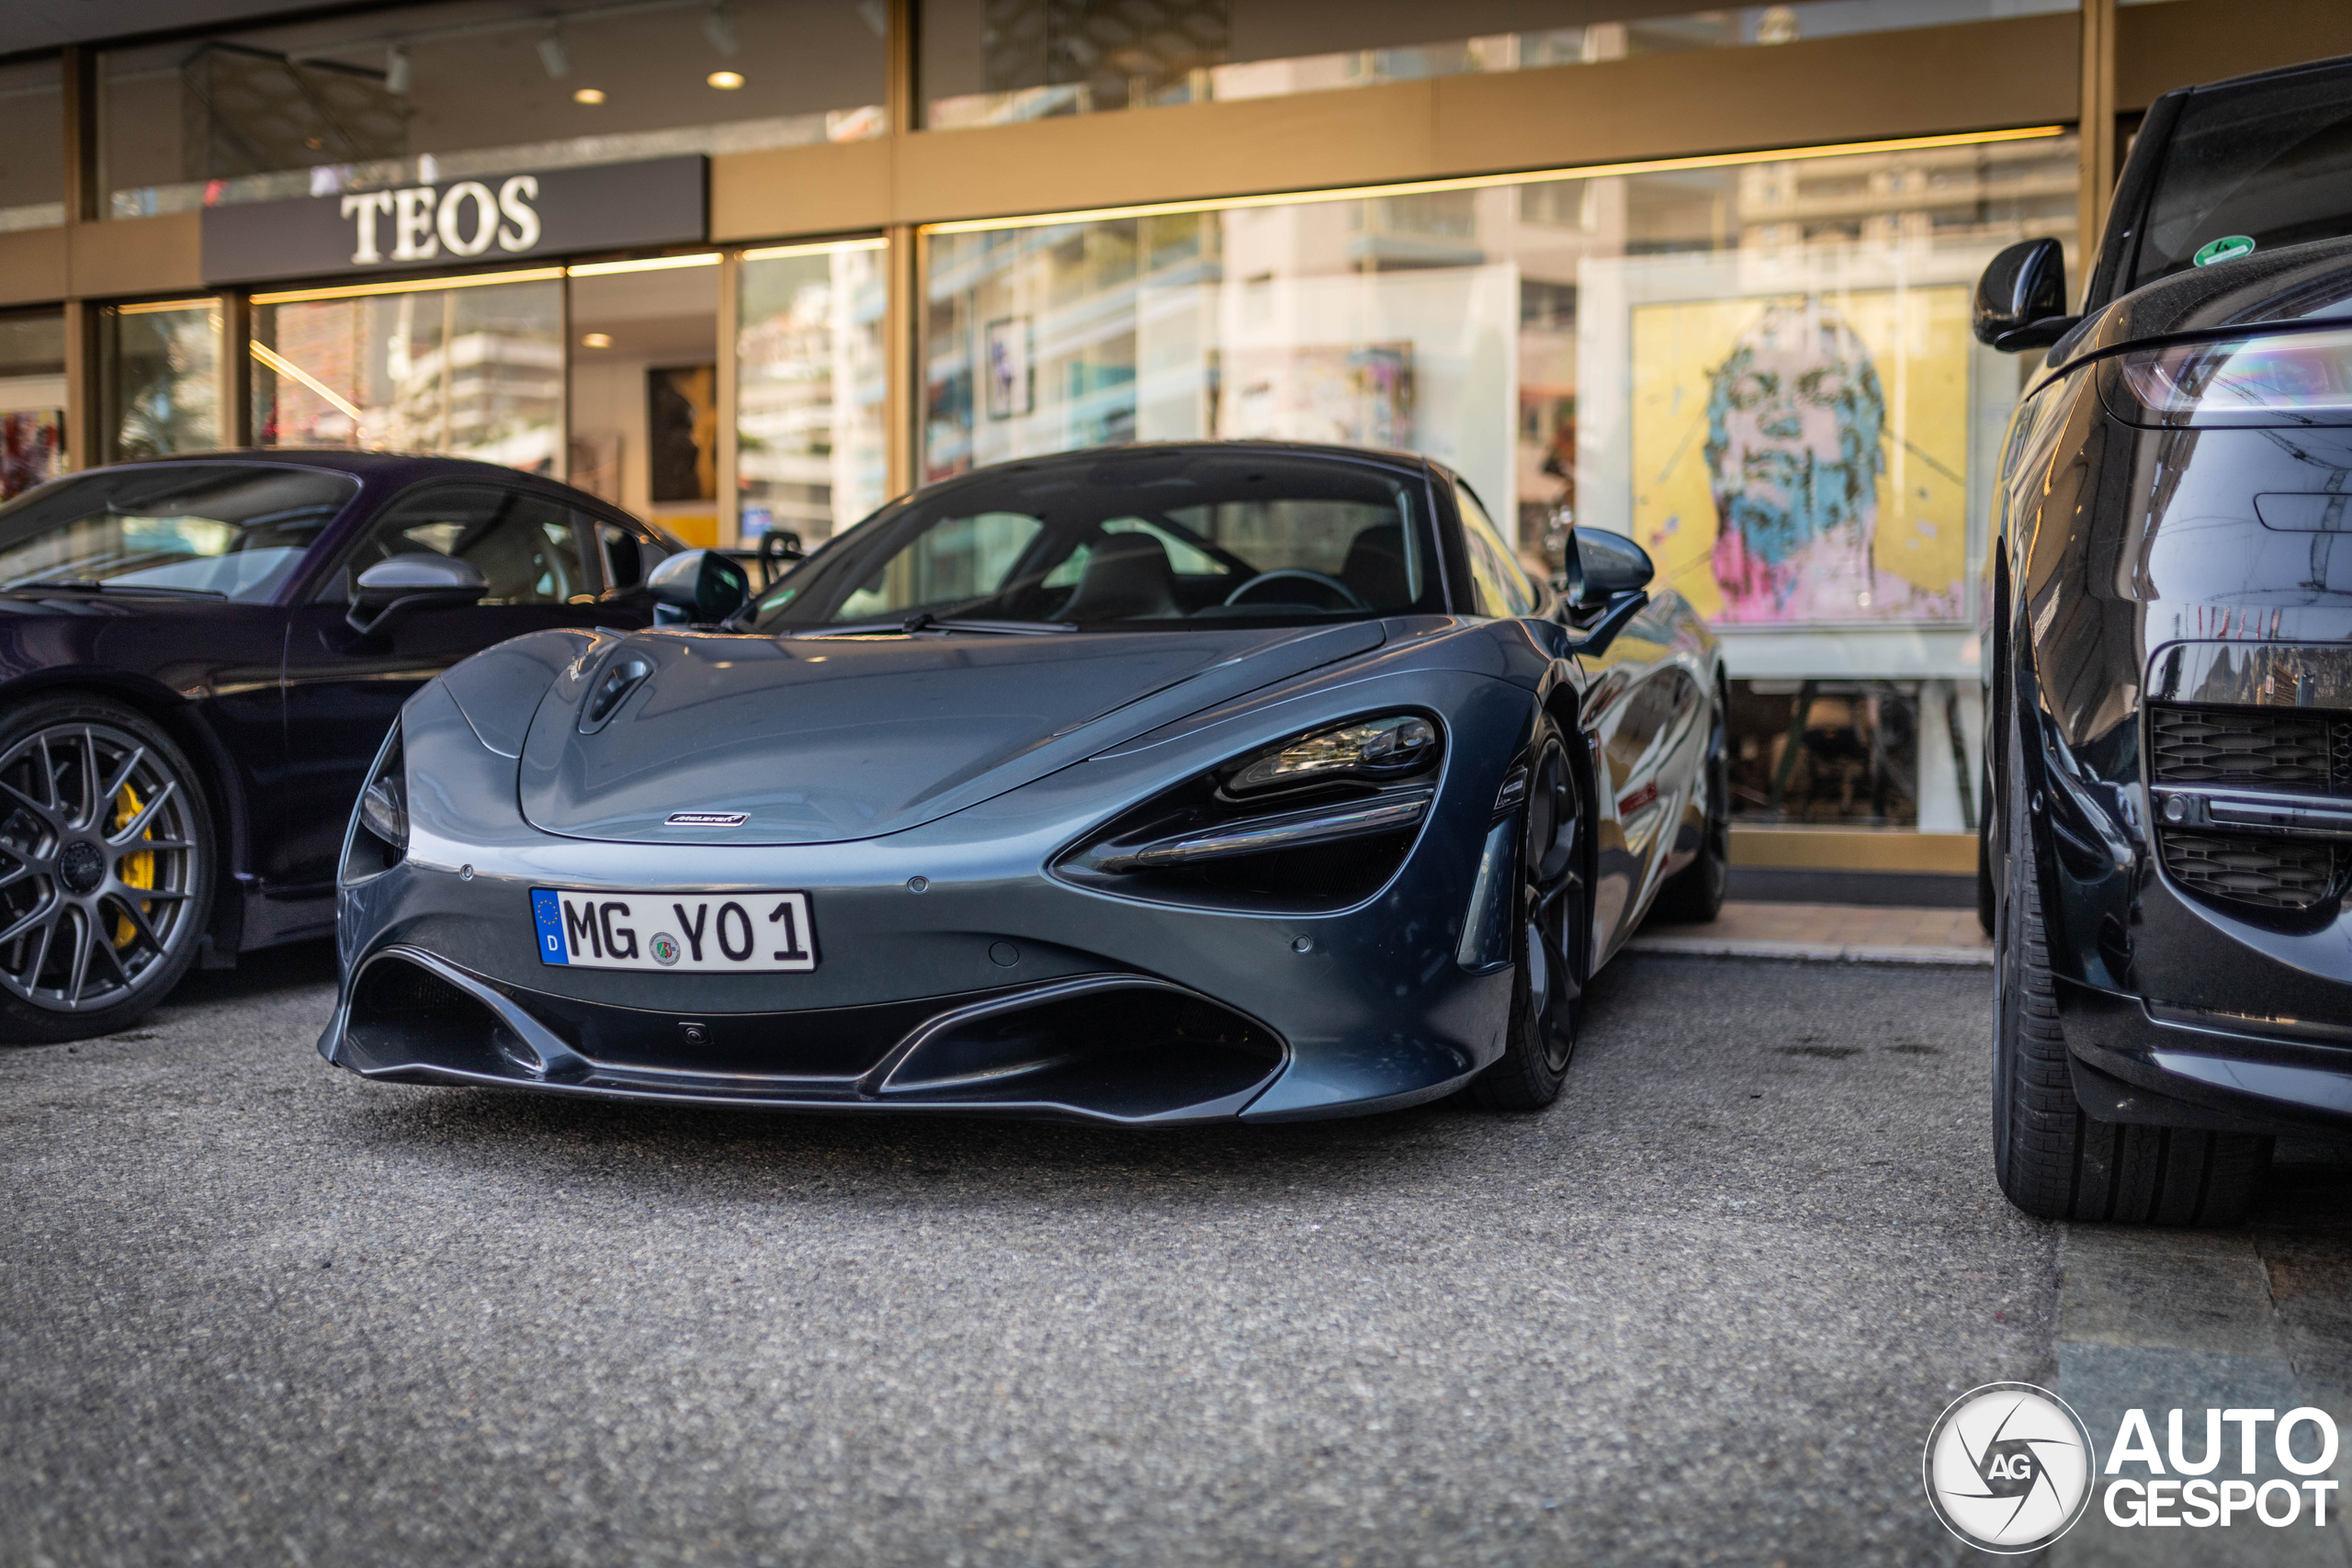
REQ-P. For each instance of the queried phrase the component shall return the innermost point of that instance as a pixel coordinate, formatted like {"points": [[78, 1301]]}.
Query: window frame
{"points": [[587, 552]]}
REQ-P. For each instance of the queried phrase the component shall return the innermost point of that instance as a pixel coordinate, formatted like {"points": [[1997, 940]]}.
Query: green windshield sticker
{"points": [[2229, 247]]}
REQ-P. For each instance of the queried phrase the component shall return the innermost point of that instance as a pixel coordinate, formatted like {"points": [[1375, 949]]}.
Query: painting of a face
{"points": [[1795, 418], [1801, 458]]}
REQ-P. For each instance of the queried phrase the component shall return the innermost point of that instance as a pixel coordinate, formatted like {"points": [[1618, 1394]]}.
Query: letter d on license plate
{"points": [[699, 933]]}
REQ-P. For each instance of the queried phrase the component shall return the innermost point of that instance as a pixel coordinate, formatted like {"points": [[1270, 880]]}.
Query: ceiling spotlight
{"points": [[588, 96], [553, 52], [725, 80], [398, 69], [718, 27], [595, 340]]}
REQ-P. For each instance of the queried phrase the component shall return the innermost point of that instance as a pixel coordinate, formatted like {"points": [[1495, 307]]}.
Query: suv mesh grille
{"points": [[2283, 749], [2270, 873]]}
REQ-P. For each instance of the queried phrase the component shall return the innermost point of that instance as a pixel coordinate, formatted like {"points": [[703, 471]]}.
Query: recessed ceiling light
{"points": [[725, 80], [589, 95], [595, 340]]}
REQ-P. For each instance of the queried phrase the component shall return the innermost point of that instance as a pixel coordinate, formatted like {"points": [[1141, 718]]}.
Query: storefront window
{"points": [[1760, 369], [810, 439], [32, 399], [471, 371], [645, 388], [431, 93], [990, 62], [32, 145], [159, 379]]}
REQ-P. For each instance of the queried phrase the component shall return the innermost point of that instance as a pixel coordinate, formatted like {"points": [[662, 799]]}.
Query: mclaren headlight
{"points": [[378, 833], [2267, 378], [1373, 749], [1319, 821]]}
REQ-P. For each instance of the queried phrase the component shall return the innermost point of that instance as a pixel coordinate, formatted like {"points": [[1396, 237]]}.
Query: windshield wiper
{"points": [[90, 585], [923, 620]]}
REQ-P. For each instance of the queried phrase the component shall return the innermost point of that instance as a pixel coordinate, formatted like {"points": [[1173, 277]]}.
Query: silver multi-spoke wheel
{"points": [[102, 862]]}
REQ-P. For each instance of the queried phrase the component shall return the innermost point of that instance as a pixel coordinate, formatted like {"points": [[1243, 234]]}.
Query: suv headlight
{"points": [[377, 837], [2301, 377]]}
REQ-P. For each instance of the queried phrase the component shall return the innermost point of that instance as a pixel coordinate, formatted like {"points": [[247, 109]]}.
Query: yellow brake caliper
{"points": [[134, 871]]}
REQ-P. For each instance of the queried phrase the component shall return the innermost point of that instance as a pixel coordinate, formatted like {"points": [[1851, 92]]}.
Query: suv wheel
{"points": [[2052, 1160]]}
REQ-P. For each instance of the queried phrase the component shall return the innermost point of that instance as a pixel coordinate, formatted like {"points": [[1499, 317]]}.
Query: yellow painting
{"points": [[1801, 458]]}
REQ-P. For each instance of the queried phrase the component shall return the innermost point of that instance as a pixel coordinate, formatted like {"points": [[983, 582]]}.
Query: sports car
{"points": [[1148, 784], [198, 655], [2170, 702]]}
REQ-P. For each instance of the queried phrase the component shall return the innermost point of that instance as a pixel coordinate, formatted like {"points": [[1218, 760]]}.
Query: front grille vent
{"points": [[2283, 749], [2268, 873]]}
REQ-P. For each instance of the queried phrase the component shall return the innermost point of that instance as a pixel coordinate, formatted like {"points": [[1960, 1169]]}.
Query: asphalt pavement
{"points": [[254, 1310]]}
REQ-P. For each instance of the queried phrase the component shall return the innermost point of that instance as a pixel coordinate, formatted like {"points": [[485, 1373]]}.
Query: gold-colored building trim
{"points": [[1853, 849], [1490, 182], [409, 286]]}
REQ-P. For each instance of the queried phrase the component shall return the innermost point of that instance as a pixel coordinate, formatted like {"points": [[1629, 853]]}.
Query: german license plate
{"points": [[692, 932]]}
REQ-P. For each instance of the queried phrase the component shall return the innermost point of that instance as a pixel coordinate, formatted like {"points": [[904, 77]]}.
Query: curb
{"points": [[1814, 952]]}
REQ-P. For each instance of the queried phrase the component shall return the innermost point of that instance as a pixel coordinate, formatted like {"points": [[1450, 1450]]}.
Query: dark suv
{"points": [[2170, 659]]}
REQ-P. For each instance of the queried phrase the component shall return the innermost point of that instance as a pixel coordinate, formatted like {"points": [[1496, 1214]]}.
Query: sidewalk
{"points": [[1850, 933]]}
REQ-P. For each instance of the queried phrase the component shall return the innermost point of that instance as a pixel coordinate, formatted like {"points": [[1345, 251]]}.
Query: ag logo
{"points": [[664, 948], [2010, 1467]]}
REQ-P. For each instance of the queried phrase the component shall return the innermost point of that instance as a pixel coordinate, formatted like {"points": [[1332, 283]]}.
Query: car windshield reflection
{"points": [[231, 530], [1139, 540]]}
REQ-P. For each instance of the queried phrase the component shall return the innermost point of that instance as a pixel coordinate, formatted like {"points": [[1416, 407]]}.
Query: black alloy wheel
{"points": [[1548, 939], [2053, 1160], [106, 869], [1694, 896]]}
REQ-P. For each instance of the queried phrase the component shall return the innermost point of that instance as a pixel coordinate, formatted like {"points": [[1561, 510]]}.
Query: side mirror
{"points": [[2021, 299], [1601, 565], [1606, 583], [392, 590], [701, 587]]}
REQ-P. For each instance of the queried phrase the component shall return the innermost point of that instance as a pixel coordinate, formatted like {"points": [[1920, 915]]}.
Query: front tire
{"points": [[1548, 938], [2053, 1161], [106, 868]]}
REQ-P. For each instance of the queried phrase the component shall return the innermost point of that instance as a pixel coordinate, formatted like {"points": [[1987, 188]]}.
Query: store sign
{"points": [[662, 201]]}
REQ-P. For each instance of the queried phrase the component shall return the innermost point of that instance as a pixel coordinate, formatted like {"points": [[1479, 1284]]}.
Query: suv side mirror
{"points": [[392, 590], [2021, 299], [701, 587]]}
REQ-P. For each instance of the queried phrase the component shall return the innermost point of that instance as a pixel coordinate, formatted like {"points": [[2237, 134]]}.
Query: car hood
{"points": [[820, 740], [2292, 284]]}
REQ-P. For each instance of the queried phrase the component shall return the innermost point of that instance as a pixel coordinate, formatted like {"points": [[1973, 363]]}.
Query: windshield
{"points": [[2270, 163], [1137, 539], [214, 528]]}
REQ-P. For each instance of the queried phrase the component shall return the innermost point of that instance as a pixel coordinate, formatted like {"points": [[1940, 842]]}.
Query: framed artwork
{"points": [[1802, 458], [682, 431]]}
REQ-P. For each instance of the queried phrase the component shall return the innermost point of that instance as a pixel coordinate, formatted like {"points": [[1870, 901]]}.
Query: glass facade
{"points": [[32, 399], [811, 399], [32, 145], [159, 385], [1760, 369], [430, 93], [994, 62], [475, 372]]}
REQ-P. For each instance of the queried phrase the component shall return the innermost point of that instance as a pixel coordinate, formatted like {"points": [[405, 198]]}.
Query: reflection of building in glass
{"points": [[810, 446], [474, 372]]}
